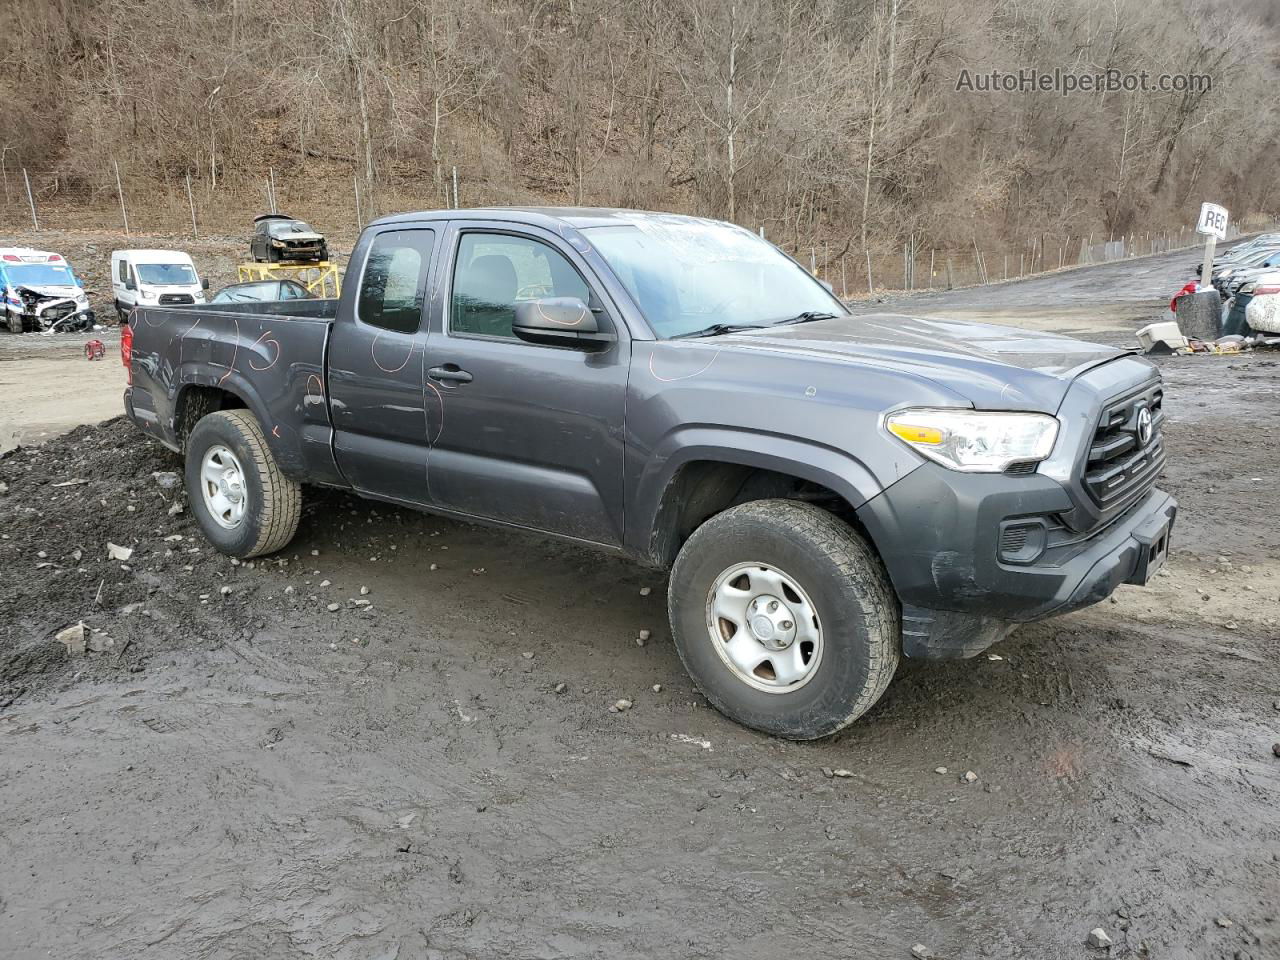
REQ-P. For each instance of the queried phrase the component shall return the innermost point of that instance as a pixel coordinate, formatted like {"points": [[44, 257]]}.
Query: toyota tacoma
{"points": [[829, 492]]}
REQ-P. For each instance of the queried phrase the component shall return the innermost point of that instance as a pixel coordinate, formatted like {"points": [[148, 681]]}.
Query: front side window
{"points": [[394, 284], [687, 274], [495, 271]]}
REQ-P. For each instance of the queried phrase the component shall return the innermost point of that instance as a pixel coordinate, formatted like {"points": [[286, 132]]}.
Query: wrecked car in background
{"points": [[282, 239], [41, 292]]}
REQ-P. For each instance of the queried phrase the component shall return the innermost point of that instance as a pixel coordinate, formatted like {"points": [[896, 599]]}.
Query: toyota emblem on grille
{"points": [[1144, 426]]}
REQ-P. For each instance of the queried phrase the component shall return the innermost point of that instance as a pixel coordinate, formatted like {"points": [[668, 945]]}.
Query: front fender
{"points": [[838, 470]]}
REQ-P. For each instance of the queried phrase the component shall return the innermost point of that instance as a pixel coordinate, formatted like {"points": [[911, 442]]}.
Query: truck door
{"points": [[375, 364], [523, 433]]}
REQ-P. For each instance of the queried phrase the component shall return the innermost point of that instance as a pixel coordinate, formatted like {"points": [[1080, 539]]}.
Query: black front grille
{"points": [[169, 299], [58, 312], [1121, 465]]}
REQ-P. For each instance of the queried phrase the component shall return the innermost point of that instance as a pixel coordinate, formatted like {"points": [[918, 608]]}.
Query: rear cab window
{"points": [[393, 287]]}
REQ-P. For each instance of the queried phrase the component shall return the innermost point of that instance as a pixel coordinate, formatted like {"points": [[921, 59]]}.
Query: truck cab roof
{"points": [[550, 217]]}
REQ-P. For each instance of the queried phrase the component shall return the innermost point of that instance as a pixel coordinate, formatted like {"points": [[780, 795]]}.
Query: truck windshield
{"points": [[163, 273], [687, 274], [40, 275]]}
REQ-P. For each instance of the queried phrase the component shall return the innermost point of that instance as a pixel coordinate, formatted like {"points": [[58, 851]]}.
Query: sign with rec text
{"points": [[1213, 221]]}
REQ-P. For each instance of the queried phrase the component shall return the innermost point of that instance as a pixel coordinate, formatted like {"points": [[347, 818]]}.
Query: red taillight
{"points": [[12, 259], [1260, 291], [53, 258], [126, 351]]}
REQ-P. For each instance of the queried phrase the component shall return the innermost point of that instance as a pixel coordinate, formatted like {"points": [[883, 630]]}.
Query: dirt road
{"points": [[243, 773]]}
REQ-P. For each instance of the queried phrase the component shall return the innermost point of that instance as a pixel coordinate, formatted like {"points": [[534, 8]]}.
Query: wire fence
{"points": [[198, 208]]}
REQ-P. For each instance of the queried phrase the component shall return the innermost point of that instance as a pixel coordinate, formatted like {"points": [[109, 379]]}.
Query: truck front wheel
{"points": [[784, 617], [243, 503]]}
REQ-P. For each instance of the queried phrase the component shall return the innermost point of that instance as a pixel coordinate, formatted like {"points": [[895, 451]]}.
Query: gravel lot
{"points": [[432, 770]]}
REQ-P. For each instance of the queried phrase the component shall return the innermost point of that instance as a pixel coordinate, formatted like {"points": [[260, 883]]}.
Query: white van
{"points": [[151, 277]]}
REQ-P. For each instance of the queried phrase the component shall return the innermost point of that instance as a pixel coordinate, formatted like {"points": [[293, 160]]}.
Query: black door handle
{"points": [[450, 371]]}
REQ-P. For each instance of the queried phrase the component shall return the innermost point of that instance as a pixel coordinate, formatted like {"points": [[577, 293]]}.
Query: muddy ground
{"points": [[242, 773]]}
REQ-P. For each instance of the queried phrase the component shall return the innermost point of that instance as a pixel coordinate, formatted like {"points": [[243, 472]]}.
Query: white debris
{"points": [[117, 552], [684, 738], [73, 638], [1098, 938]]}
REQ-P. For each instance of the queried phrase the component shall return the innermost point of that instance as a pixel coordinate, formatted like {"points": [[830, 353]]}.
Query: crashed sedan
{"points": [[278, 238]]}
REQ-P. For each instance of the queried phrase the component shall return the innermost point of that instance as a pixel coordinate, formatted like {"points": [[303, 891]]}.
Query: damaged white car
{"points": [[41, 292]]}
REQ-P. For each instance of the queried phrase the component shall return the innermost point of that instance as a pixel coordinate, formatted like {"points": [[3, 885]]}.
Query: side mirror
{"points": [[130, 285], [204, 283], [559, 322]]}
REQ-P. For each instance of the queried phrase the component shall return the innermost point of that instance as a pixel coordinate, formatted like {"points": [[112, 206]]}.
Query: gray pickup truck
{"points": [[828, 492]]}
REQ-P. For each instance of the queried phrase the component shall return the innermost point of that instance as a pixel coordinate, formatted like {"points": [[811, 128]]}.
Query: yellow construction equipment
{"points": [[321, 279]]}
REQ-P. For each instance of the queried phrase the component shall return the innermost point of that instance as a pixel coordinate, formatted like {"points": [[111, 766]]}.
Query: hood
{"points": [[993, 367], [301, 236], [67, 291]]}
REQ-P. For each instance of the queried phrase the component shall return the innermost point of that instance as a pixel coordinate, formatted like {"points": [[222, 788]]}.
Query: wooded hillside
{"points": [[824, 121]]}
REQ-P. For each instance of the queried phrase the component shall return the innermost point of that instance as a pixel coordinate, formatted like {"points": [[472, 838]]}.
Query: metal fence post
{"points": [[192, 204], [124, 214], [31, 199]]}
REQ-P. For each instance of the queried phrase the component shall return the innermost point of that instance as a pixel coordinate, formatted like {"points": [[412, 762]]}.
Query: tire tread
{"points": [[855, 559], [281, 497]]}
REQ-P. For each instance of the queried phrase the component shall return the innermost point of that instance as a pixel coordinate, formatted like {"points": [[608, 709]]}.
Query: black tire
{"points": [[15, 323], [273, 503], [122, 315], [861, 620]]}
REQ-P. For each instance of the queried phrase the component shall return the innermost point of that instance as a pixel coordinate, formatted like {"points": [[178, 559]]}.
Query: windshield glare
{"points": [[279, 228], [40, 275], [688, 274], [166, 273]]}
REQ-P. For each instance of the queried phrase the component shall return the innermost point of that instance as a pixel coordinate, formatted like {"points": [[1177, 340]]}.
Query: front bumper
{"points": [[939, 533]]}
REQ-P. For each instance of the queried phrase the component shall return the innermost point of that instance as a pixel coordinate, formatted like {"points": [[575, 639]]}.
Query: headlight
{"points": [[82, 301], [975, 441]]}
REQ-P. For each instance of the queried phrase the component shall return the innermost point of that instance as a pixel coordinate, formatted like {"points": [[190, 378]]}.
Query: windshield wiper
{"points": [[808, 317], [716, 329]]}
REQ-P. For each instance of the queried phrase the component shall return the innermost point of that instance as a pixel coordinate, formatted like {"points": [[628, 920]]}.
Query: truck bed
{"points": [[270, 355]]}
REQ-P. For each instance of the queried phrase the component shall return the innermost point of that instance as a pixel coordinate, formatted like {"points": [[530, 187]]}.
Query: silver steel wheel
{"points": [[765, 627], [222, 483]]}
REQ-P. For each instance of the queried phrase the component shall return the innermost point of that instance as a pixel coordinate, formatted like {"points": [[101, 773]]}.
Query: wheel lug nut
{"points": [[787, 624], [773, 605]]}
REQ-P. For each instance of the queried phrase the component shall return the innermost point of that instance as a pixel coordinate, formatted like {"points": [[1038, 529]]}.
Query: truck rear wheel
{"points": [[785, 618], [243, 503]]}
